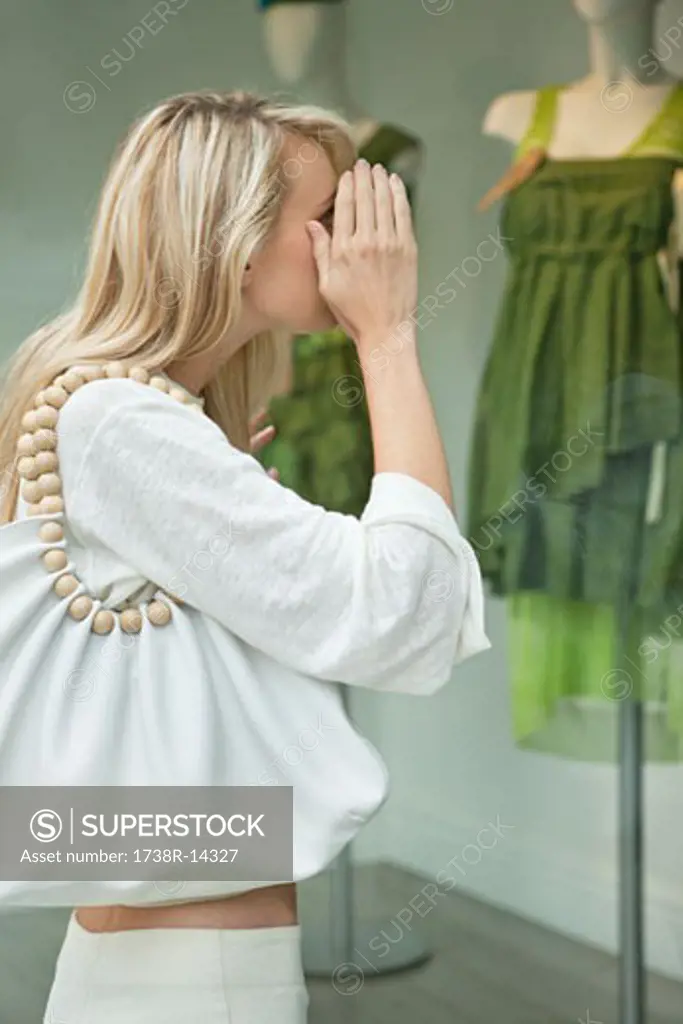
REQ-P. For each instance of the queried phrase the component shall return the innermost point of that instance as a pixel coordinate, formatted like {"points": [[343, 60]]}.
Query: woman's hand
{"points": [[368, 269], [260, 438]]}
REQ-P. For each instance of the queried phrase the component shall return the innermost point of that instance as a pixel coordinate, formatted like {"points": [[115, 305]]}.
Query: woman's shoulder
{"points": [[119, 432], [99, 398], [123, 406]]}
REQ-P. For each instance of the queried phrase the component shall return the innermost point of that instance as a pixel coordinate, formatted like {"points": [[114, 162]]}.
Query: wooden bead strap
{"points": [[38, 467]]}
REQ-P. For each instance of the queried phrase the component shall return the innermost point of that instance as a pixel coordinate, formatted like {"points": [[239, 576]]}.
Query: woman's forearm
{"points": [[405, 434]]}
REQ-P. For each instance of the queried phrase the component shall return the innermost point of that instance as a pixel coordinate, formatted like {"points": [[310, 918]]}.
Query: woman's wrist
{"points": [[378, 348]]}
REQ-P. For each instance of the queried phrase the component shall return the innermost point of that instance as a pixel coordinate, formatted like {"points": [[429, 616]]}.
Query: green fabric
{"points": [[561, 461], [323, 447], [387, 146], [568, 679], [540, 130]]}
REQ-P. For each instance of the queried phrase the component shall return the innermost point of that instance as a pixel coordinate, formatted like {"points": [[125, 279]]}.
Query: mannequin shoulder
{"points": [[509, 116]]}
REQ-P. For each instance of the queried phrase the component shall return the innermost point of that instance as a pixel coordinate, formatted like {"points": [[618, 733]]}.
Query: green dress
{"points": [[323, 446], [576, 470]]}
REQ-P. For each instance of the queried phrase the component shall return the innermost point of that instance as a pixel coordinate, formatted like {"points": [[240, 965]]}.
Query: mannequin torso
{"points": [[586, 126], [600, 116], [588, 334], [306, 48]]}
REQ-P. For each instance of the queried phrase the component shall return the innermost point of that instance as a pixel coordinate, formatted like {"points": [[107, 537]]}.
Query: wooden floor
{"points": [[487, 967]]}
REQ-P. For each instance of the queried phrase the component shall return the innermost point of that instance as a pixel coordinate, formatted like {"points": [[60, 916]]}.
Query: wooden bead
{"points": [[65, 585], [80, 607], [115, 369], [90, 373], [56, 396], [51, 532], [131, 620], [158, 613], [47, 416], [139, 374], [103, 621], [50, 483], [72, 381], [45, 440], [29, 422], [47, 462], [38, 466], [27, 468], [55, 560], [25, 445], [52, 504], [32, 492]]}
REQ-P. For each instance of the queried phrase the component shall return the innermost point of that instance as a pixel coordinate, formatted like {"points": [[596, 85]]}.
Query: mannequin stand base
{"points": [[364, 963]]}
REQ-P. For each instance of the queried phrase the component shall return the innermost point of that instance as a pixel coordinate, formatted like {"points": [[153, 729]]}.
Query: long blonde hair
{"points": [[193, 189]]}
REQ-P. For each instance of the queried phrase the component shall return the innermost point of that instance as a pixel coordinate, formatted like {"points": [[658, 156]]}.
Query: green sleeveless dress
{"points": [[323, 447], [576, 470]]}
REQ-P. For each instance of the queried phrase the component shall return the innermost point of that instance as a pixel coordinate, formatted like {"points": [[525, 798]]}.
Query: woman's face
{"points": [[281, 286], [596, 11]]}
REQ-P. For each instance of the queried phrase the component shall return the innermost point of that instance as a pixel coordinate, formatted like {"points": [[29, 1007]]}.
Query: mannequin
{"points": [[323, 447], [306, 44], [626, 78], [594, 216], [621, 81]]}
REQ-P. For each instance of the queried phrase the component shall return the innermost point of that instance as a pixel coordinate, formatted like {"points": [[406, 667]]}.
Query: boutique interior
{"points": [[527, 865]]}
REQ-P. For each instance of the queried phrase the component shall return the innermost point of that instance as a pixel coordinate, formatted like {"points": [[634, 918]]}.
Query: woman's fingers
{"points": [[344, 209], [262, 438], [365, 200], [256, 420], [384, 205], [402, 213]]}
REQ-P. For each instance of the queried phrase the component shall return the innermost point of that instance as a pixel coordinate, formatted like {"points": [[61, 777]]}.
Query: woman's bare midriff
{"points": [[270, 907]]}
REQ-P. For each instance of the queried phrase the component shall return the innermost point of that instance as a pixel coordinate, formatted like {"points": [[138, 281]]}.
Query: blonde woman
{"points": [[226, 224]]}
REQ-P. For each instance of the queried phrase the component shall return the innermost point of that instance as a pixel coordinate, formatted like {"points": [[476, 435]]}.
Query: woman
{"points": [[227, 223]]}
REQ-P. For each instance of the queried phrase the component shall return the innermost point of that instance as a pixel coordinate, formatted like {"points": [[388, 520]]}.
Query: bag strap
{"points": [[41, 488]]}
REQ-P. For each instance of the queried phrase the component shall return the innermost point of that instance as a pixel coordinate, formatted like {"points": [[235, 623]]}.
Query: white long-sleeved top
{"points": [[282, 601], [390, 601]]}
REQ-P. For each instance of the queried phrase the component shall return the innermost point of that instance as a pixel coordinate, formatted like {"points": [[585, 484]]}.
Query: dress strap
{"points": [[665, 131], [540, 131]]}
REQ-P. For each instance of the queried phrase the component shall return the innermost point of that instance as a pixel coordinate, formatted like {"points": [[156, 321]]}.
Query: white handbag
{"points": [[91, 697]]}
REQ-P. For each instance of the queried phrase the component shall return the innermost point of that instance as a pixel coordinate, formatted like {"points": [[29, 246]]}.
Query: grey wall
{"points": [[453, 765]]}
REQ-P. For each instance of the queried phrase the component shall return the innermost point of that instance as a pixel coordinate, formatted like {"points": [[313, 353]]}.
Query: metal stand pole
{"points": [[632, 980], [632, 973], [337, 940]]}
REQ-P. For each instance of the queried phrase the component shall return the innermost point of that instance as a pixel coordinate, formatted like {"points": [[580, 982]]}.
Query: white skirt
{"points": [[177, 975]]}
